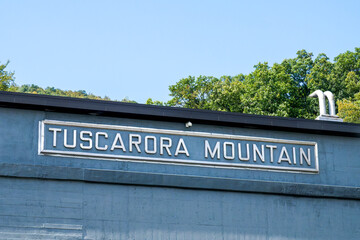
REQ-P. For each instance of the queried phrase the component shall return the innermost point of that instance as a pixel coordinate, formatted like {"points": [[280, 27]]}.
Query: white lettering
{"points": [[54, 130], [86, 139], [247, 158], [117, 139], [147, 144], [181, 144], [216, 150], [65, 139], [165, 146], [97, 135], [232, 156], [294, 155], [303, 156], [257, 152], [271, 148], [286, 158], [135, 143]]}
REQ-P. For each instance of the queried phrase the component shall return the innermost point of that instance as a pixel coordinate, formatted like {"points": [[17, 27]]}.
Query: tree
{"points": [[268, 91], [157, 103], [227, 93], [278, 90], [7, 83], [350, 110], [346, 74], [35, 89], [192, 92], [6, 78]]}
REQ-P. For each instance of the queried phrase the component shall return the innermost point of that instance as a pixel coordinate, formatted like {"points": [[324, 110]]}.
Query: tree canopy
{"points": [[34, 89], [278, 90], [6, 78], [7, 83]]}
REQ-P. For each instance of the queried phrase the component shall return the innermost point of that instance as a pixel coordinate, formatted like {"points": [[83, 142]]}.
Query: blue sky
{"points": [[136, 49]]}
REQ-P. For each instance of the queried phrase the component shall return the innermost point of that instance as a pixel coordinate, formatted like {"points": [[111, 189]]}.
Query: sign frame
{"points": [[113, 157]]}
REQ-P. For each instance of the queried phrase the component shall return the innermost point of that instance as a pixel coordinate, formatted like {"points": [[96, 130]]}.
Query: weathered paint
{"points": [[56, 197], [47, 209]]}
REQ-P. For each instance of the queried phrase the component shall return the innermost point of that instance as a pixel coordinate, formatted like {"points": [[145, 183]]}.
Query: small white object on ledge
{"points": [[323, 115], [188, 124]]}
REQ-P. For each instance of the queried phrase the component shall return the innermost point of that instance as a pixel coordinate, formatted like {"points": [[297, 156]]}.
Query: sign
{"points": [[127, 143]]}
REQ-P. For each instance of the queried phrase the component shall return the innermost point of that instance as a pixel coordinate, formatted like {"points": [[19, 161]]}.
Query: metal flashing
{"points": [[174, 114]]}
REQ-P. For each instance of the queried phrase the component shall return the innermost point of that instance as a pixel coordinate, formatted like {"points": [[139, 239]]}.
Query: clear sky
{"points": [[136, 49]]}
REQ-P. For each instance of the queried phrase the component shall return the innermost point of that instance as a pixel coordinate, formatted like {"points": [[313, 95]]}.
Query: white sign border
{"points": [[43, 151]]}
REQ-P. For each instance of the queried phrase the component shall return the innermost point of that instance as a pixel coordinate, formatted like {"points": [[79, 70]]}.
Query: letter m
{"points": [[208, 150]]}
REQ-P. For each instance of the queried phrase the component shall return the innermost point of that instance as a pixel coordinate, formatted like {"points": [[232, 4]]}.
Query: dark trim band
{"points": [[173, 114]]}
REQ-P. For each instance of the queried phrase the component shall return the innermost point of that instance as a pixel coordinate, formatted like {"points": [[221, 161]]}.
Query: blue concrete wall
{"points": [[339, 157], [45, 209], [163, 201]]}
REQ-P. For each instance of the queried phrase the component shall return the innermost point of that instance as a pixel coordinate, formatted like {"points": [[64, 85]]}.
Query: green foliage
{"points": [[7, 83], [127, 100], [278, 90], [157, 103], [346, 73], [6, 78], [192, 92], [268, 91], [349, 110], [34, 89], [226, 94]]}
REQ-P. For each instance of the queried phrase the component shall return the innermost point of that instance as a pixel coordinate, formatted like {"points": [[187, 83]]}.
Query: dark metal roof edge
{"points": [[150, 112]]}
